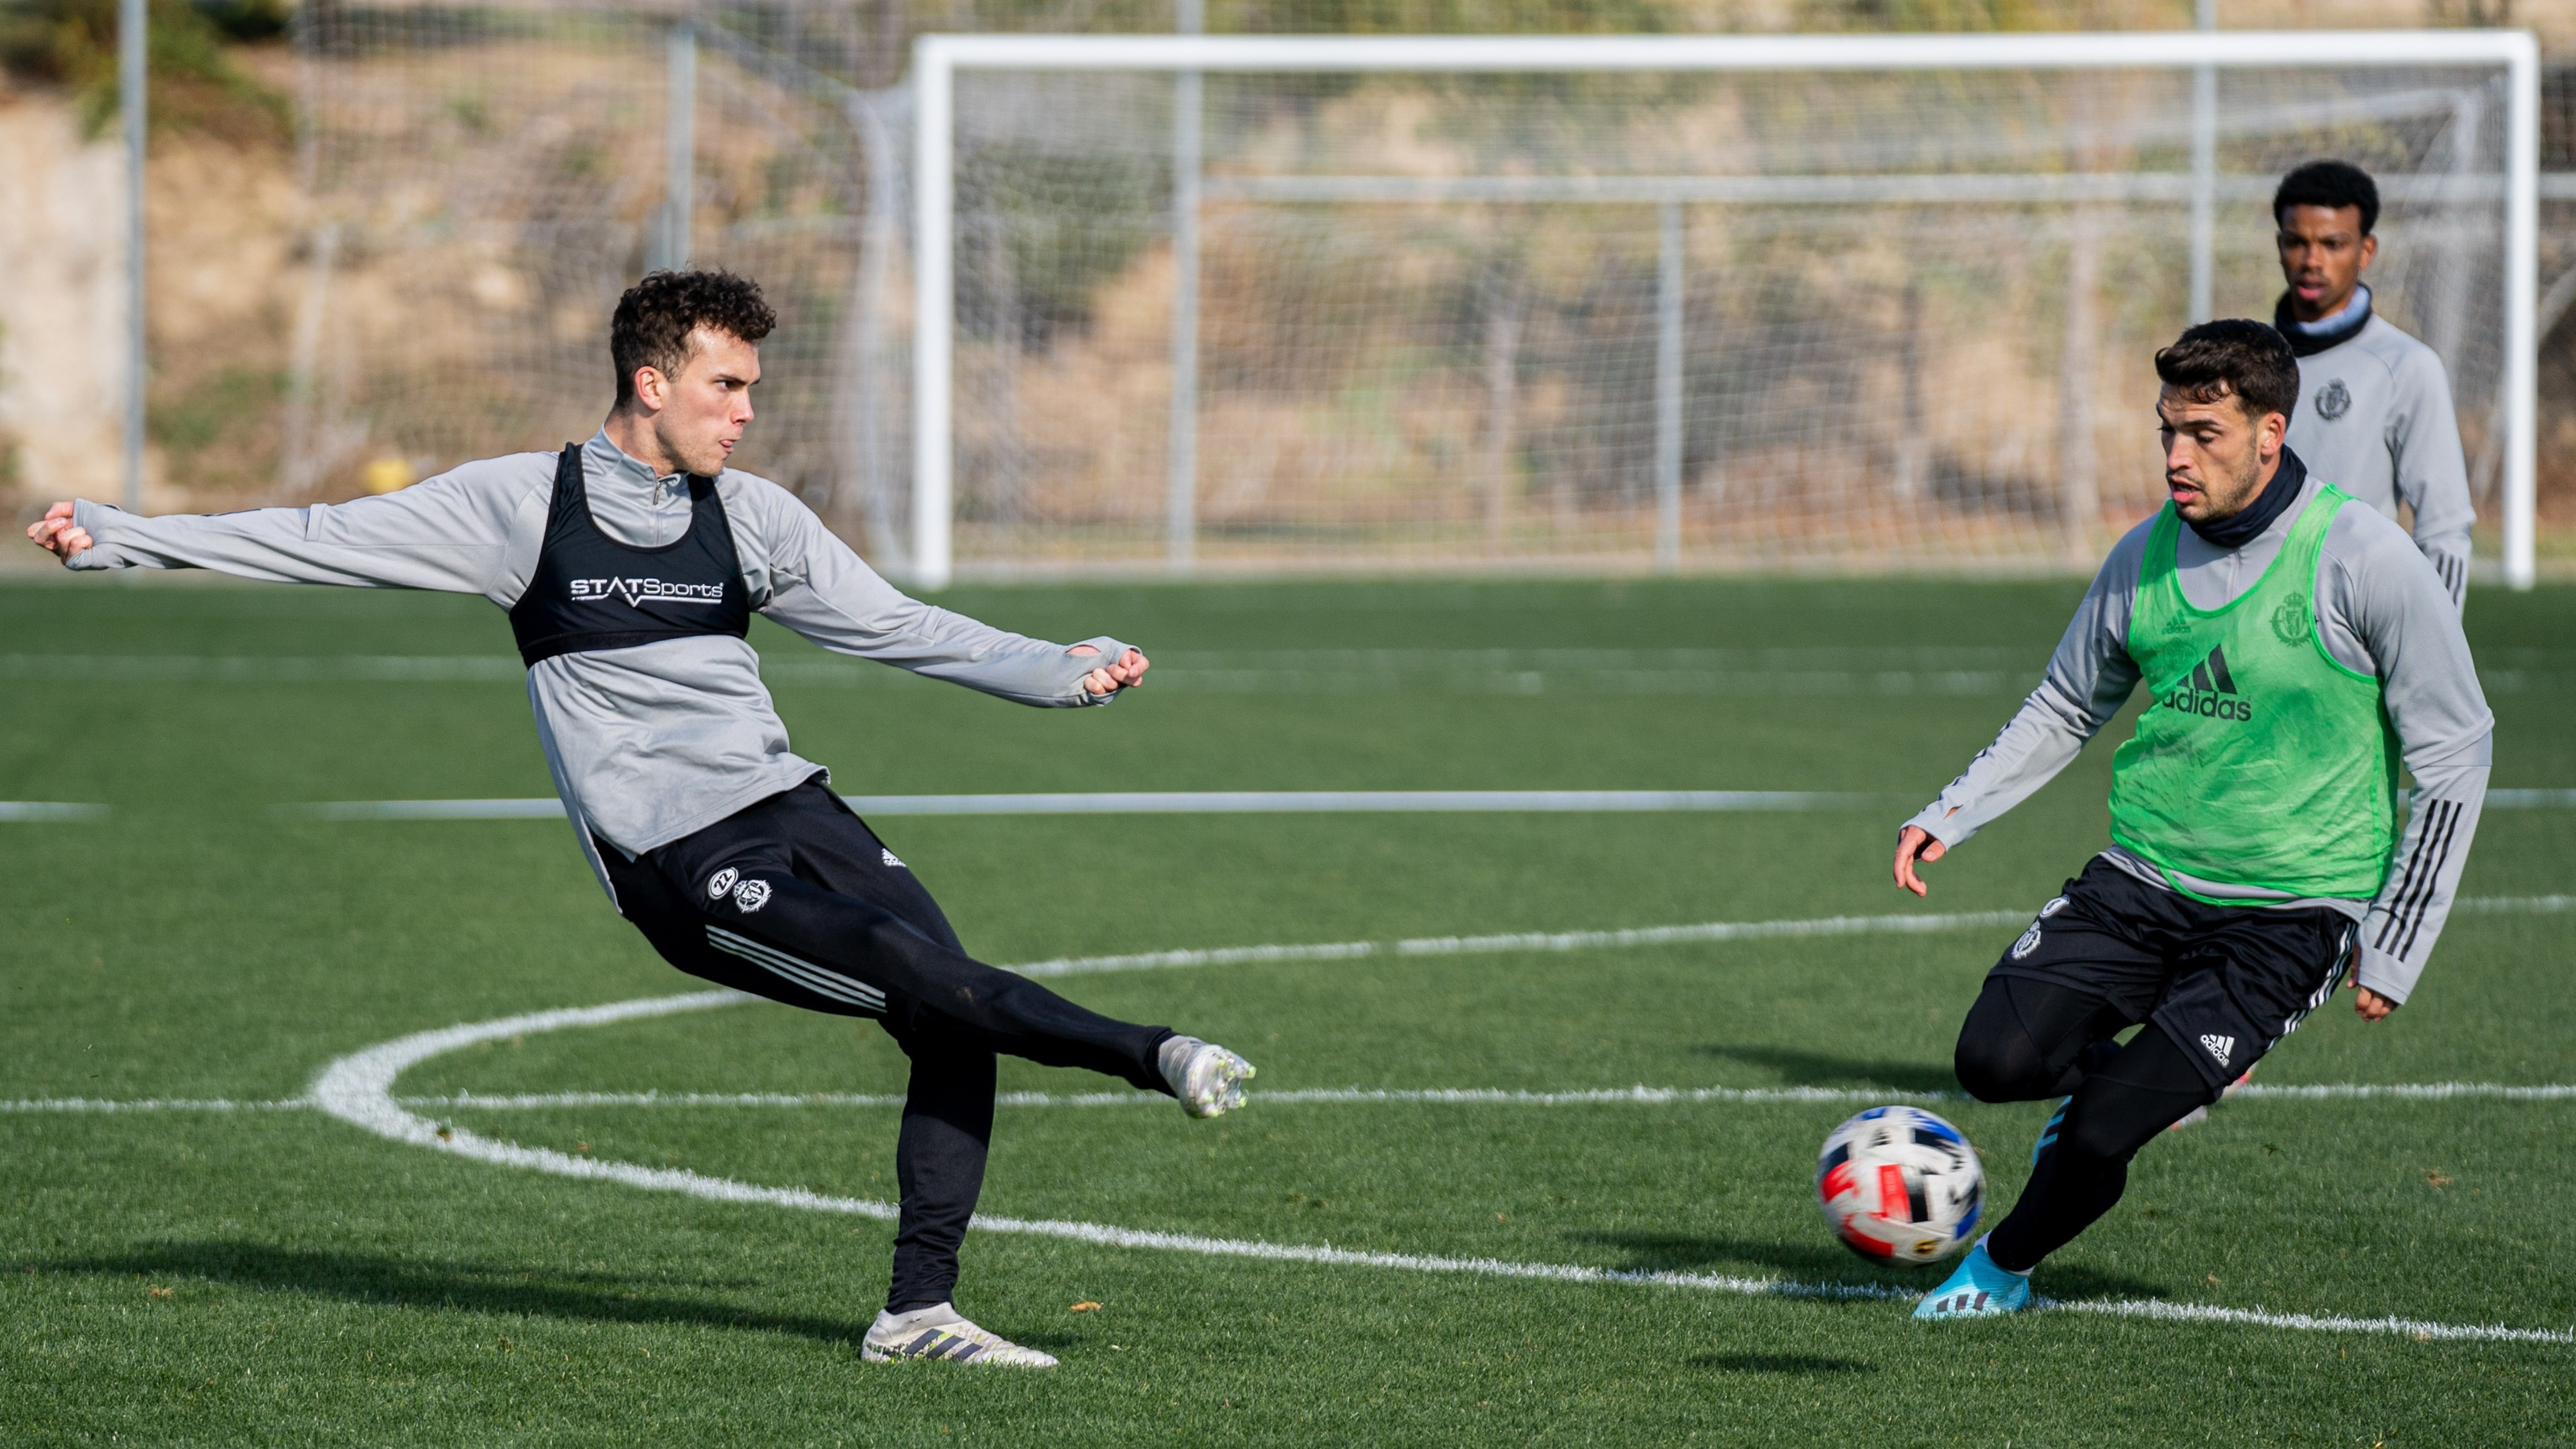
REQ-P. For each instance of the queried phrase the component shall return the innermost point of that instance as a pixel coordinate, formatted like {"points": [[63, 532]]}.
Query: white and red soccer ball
{"points": [[1899, 1185]]}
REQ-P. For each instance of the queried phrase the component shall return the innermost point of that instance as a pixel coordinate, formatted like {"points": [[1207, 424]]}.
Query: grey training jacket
{"points": [[2382, 610], [2375, 420], [650, 743]]}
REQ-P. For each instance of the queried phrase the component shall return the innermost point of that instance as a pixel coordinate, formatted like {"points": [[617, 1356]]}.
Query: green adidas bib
{"points": [[2261, 761]]}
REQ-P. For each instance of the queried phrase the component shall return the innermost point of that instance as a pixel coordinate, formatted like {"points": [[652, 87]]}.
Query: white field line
{"points": [[358, 1089], [1637, 1096], [547, 808], [152, 1104], [1758, 672], [49, 810], [1190, 802], [1170, 802], [1523, 941], [1417, 946]]}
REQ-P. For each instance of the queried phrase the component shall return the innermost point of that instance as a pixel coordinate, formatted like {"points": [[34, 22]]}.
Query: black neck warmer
{"points": [[2240, 529], [2304, 343]]}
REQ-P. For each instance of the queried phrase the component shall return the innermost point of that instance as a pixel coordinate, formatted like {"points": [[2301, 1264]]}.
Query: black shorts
{"points": [[2225, 982]]}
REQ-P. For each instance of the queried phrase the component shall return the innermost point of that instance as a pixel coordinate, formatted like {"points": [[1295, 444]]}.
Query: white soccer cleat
{"points": [[937, 1332], [1206, 1077]]}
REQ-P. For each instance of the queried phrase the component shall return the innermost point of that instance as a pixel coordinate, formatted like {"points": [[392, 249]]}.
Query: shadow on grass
{"points": [[1825, 1263], [1801, 1365], [1689, 1252], [1815, 1069], [466, 1287]]}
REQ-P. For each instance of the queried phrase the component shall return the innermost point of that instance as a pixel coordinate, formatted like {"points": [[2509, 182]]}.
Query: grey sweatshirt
{"points": [[2383, 611], [650, 743], [2375, 420]]}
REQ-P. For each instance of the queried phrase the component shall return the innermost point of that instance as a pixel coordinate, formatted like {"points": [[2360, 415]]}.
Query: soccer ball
{"points": [[1899, 1185]]}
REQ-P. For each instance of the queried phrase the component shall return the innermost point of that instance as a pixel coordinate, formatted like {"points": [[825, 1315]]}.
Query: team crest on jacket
{"points": [[750, 896], [721, 882], [2333, 400], [2028, 943], [2290, 620]]}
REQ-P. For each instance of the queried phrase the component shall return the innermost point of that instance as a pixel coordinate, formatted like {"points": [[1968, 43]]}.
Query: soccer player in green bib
{"points": [[2296, 648]]}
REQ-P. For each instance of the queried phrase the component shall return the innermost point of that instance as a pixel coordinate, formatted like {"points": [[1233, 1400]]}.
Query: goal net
{"points": [[482, 182], [1137, 304], [1854, 303]]}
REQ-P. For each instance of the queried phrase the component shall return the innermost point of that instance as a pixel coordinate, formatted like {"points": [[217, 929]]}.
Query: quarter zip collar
{"points": [[610, 464]]}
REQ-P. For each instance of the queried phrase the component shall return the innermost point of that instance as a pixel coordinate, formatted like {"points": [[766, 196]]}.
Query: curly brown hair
{"points": [[656, 316], [2237, 356]]}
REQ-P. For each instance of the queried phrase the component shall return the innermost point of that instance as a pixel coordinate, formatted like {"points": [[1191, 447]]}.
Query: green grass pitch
{"points": [[280, 1277]]}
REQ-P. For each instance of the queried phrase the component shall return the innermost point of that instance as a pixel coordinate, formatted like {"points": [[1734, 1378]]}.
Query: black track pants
{"points": [[2028, 1039], [2217, 986], [795, 899]]}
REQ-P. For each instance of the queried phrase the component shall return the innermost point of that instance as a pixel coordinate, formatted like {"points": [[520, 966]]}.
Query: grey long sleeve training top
{"points": [[649, 743], [2383, 611], [2375, 420]]}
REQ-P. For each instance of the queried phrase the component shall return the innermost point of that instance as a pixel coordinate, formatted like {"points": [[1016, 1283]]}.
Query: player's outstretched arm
{"points": [[816, 586], [2088, 679], [450, 533]]}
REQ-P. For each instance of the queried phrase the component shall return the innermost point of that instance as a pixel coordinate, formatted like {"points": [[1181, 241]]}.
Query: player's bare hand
{"points": [[1913, 844], [2369, 1004], [1126, 673], [56, 533]]}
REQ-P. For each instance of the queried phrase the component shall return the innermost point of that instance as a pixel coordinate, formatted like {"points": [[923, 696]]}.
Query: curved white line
{"points": [[359, 1089]]}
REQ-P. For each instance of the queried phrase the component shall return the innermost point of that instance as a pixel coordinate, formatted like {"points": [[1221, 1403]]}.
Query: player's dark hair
{"points": [[656, 316], [2246, 359], [2330, 184]]}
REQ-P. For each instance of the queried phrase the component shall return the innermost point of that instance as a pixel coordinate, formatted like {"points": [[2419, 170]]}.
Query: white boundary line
{"points": [[1170, 802], [1187, 802], [49, 810], [359, 1089], [1640, 1096]]}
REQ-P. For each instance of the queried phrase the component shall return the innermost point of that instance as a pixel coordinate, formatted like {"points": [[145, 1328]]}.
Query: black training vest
{"points": [[591, 592]]}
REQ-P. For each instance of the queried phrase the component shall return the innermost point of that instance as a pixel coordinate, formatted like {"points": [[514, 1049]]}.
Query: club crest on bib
{"points": [[2333, 400], [2290, 620], [750, 896], [721, 882], [2028, 943]]}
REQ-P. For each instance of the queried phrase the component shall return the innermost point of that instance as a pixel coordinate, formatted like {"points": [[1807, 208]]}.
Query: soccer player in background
{"points": [[630, 566], [2374, 412], [2295, 646]]}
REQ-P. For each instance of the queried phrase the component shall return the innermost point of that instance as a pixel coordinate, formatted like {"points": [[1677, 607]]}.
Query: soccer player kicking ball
{"points": [[2295, 646], [2374, 410], [630, 566]]}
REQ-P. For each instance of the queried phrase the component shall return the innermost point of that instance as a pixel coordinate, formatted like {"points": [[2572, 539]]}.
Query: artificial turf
{"points": [[279, 1277]]}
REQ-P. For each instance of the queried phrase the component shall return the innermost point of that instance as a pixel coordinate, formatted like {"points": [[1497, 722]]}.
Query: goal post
{"points": [[1382, 396]]}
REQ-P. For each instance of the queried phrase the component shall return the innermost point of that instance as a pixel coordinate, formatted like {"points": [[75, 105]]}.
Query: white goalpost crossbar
{"points": [[938, 58]]}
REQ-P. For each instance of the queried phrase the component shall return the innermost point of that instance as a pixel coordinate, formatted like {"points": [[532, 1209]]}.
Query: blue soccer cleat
{"points": [[1979, 1289], [2048, 1134]]}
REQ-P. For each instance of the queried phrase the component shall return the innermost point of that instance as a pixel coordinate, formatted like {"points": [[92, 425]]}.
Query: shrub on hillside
{"points": [[195, 85]]}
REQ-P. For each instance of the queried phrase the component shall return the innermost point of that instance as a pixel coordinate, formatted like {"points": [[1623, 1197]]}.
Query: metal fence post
{"points": [[1668, 393], [679, 148], [133, 36], [1181, 486], [2204, 177]]}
